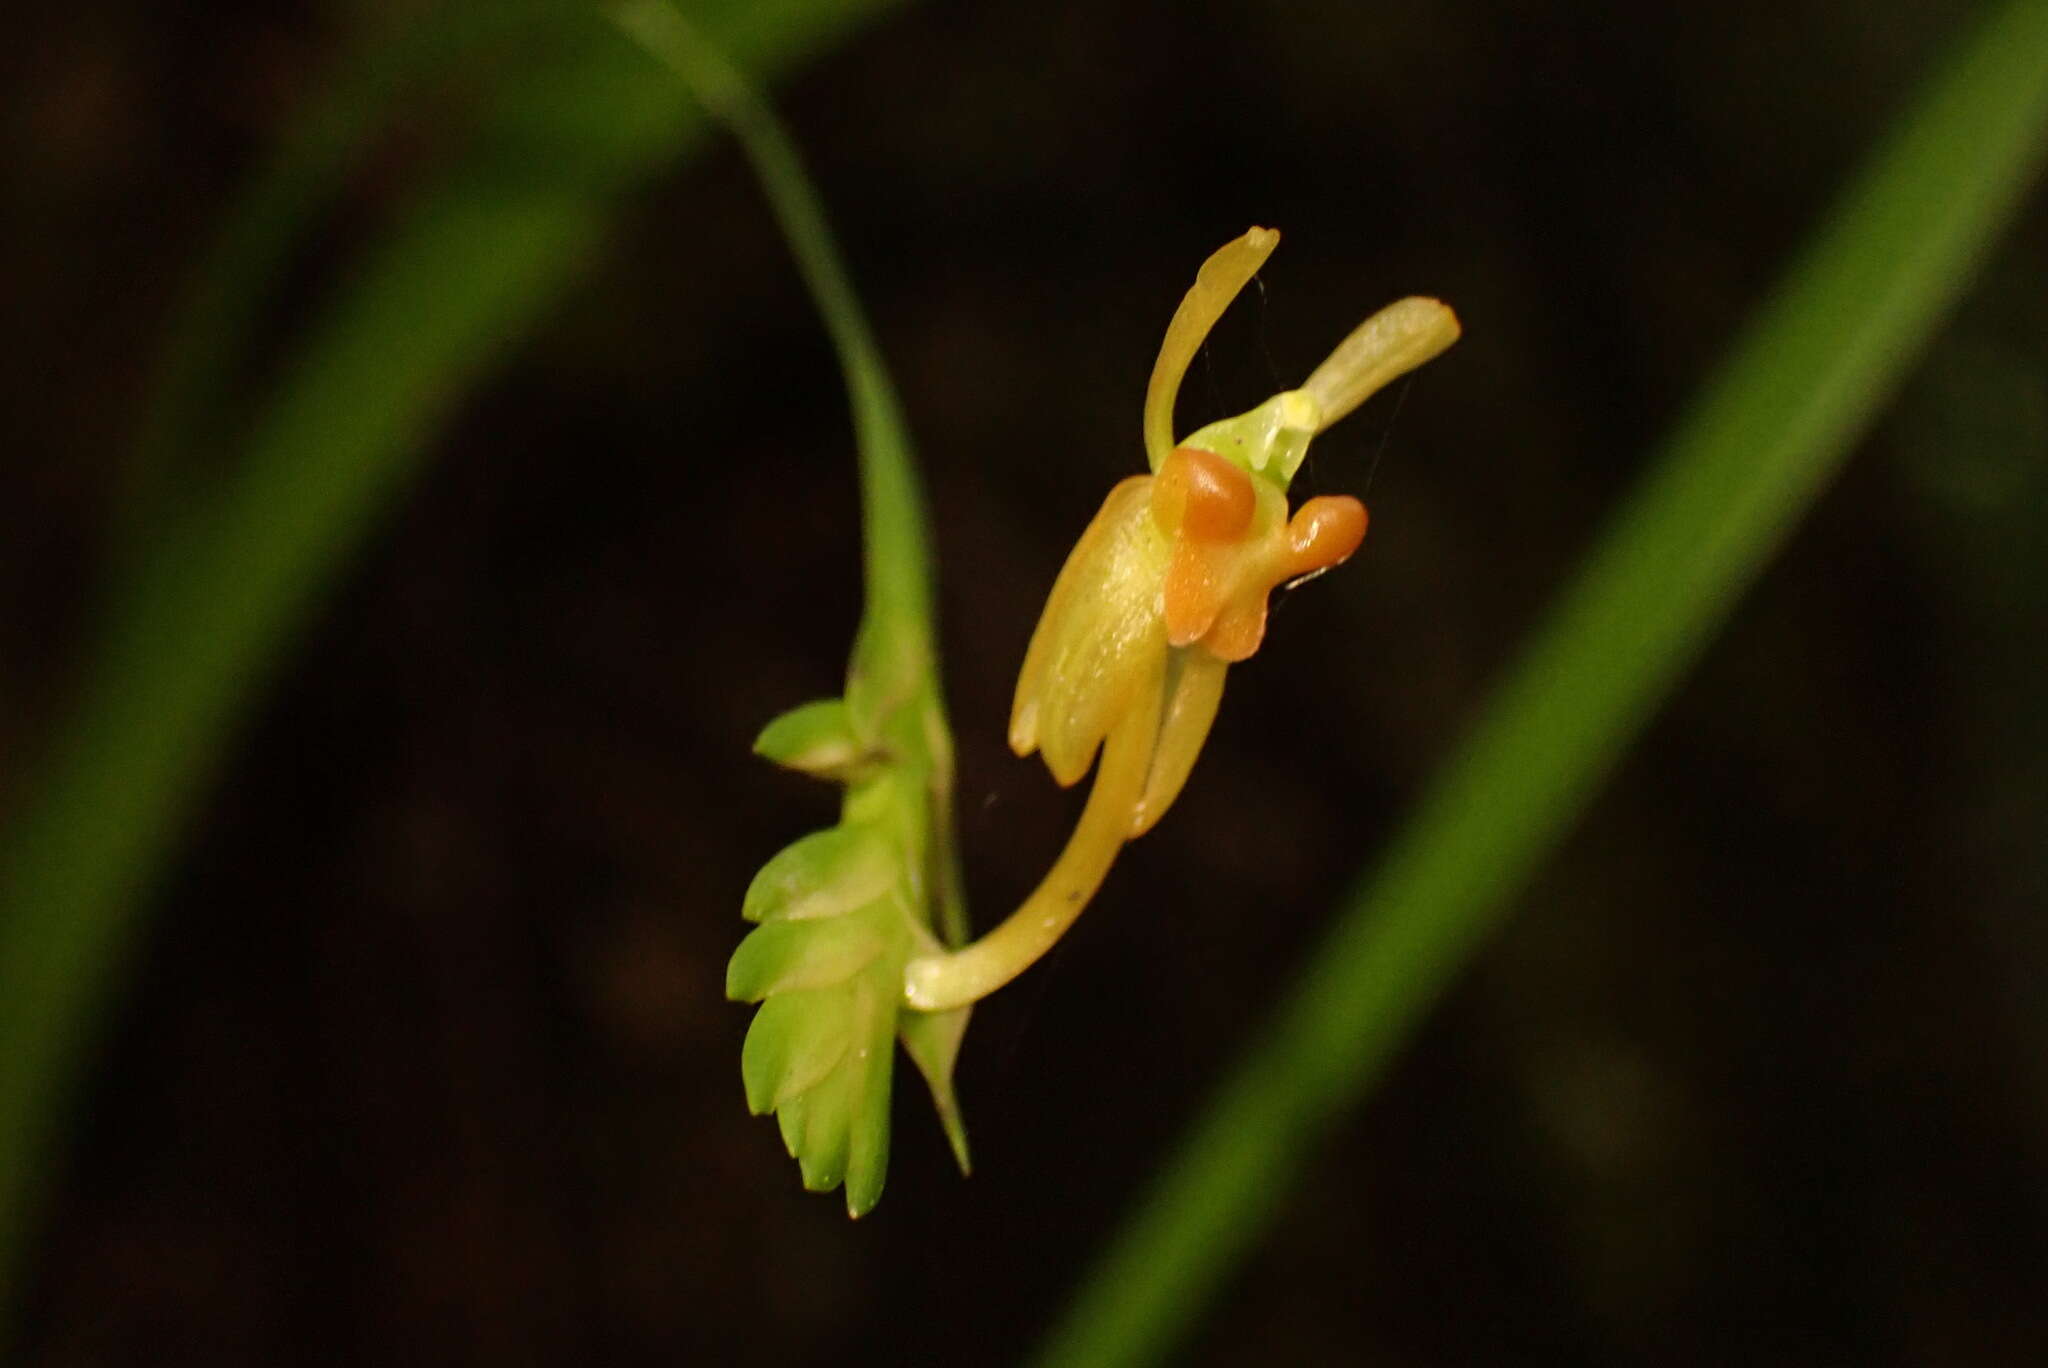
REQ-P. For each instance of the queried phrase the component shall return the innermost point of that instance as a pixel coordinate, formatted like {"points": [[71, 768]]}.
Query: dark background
{"points": [[425, 1057]]}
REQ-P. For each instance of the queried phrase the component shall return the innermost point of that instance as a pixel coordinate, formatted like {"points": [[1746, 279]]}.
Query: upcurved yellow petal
{"points": [[1216, 284]]}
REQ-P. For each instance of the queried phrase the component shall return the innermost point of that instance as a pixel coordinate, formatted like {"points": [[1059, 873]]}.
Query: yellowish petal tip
{"points": [[1024, 728], [1406, 334], [1217, 282]]}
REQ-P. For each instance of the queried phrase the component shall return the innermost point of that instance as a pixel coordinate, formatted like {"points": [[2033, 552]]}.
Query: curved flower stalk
{"points": [[1167, 589]]}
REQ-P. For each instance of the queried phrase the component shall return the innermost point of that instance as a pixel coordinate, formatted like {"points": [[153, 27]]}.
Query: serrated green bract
{"points": [[839, 912]]}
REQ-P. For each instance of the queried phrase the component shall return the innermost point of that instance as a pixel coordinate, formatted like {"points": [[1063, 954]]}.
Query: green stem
{"points": [[1759, 447], [897, 546], [898, 635]]}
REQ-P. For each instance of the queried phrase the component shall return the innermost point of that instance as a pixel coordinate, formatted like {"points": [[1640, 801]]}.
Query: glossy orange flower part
{"points": [[1234, 544]]}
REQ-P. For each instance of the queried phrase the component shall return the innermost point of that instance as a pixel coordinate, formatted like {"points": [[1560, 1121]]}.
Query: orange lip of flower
{"points": [[1232, 547]]}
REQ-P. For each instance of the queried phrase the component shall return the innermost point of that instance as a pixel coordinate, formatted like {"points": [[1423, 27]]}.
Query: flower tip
{"points": [[1424, 315], [1024, 728], [1217, 282]]}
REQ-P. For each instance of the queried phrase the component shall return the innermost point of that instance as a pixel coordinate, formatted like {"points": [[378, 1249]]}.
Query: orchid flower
{"points": [[1167, 589]]}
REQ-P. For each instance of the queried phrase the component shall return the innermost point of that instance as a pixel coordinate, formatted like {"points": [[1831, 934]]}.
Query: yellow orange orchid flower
{"points": [[1167, 589]]}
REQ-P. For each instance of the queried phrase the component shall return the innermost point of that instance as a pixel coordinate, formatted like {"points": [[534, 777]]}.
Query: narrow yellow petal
{"points": [[1385, 347], [1119, 653], [1216, 284], [1194, 691]]}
